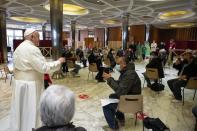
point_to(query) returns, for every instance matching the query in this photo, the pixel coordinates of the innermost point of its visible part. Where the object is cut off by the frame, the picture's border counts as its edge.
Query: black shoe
(101, 80)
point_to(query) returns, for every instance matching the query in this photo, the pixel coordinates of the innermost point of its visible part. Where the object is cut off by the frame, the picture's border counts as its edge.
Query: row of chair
(152, 74)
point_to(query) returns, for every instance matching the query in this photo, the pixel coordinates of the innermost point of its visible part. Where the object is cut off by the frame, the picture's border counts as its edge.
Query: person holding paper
(128, 84)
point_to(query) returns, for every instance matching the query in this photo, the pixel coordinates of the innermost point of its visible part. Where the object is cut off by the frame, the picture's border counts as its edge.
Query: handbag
(155, 124)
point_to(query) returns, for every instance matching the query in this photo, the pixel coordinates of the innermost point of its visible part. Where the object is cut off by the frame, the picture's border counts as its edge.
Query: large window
(13, 34)
(41, 35)
(17, 34)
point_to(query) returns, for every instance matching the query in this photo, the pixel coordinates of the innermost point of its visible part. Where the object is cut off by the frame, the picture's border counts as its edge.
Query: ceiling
(141, 11)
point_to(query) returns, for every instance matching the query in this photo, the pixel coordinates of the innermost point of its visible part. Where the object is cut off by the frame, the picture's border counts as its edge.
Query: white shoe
(176, 101)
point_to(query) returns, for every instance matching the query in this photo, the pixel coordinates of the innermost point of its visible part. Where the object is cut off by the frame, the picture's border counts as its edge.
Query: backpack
(155, 124)
(157, 87)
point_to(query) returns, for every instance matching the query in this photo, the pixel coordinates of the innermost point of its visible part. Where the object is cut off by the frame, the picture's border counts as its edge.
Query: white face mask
(117, 67)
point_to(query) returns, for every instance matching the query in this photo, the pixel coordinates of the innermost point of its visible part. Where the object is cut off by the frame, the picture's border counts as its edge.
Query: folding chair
(191, 84)
(7, 72)
(131, 104)
(92, 68)
(107, 62)
(152, 74)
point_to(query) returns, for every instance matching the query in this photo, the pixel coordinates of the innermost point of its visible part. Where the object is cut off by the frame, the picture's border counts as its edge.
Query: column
(56, 16)
(147, 32)
(125, 22)
(3, 36)
(73, 28)
(106, 37)
(44, 31)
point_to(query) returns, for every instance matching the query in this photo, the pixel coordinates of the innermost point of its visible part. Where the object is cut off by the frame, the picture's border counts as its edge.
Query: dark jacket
(190, 70)
(92, 58)
(156, 63)
(179, 66)
(69, 127)
(128, 83)
(112, 60)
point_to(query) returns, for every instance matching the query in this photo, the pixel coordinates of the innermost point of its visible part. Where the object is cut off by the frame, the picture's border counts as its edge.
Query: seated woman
(57, 107)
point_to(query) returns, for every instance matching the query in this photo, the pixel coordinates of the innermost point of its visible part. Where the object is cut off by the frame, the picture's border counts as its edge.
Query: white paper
(105, 102)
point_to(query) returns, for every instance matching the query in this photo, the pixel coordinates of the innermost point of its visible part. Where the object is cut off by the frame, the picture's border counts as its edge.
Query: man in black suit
(188, 70)
(94, 57)
(155, 62)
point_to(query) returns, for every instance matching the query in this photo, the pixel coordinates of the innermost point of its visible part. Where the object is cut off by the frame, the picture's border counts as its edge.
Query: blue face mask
(117, 67)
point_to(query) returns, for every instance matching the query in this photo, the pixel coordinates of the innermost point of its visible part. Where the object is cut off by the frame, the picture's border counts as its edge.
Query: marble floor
(89, 111)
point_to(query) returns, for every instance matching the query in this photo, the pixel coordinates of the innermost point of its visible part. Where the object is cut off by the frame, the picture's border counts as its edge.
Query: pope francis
(29, 66)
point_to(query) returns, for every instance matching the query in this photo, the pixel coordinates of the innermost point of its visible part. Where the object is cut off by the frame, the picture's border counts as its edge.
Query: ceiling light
(110, 22)
(28, 19)
(172, 15)
(182, 25)
(155, 0)
(69, 9)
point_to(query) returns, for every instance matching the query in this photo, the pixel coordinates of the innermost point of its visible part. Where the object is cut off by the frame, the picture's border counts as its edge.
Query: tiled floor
(89, 111)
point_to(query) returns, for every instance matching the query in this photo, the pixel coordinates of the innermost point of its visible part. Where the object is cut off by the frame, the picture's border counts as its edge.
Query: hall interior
(100, 24)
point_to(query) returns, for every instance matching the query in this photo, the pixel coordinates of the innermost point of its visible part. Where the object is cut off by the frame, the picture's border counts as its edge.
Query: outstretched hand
(61, 59)
(106, 75)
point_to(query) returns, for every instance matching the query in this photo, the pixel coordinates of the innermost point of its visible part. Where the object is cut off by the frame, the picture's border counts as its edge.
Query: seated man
(155, 62)
(57, 107)
(79, 52)
(194, 111)
(188, 70)
(178, 65)
(71, 57)
(128, 84)
(110, 56)
(95, 58)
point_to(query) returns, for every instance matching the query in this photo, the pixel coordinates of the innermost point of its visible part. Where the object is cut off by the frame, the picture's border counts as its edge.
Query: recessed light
(182, 25)
(69, 9)
(110, 21)
(155, 0)
(179, 14)
(28, 19)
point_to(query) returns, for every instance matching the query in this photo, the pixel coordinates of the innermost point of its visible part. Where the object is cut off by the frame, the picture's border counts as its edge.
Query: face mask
(117, 67)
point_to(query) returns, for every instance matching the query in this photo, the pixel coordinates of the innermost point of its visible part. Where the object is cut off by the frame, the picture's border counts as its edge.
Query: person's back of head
(57, 106)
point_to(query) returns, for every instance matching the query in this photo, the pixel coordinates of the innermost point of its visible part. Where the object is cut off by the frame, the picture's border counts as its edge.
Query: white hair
(57, 105)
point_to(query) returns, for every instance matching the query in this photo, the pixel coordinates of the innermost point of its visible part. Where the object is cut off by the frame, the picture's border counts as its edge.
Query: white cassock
(29, 66)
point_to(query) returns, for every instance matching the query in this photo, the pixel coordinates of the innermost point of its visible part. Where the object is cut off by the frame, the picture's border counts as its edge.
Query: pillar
(44, 31)
(56, 17)
(147, 32)
(106, 37)
(3, 36)
(125, 22)
(73, 28)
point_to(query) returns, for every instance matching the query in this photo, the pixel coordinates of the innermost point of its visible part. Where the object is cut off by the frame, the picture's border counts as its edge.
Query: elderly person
(188, 70)
(57, 107)
(29, 68)
(128, 84)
